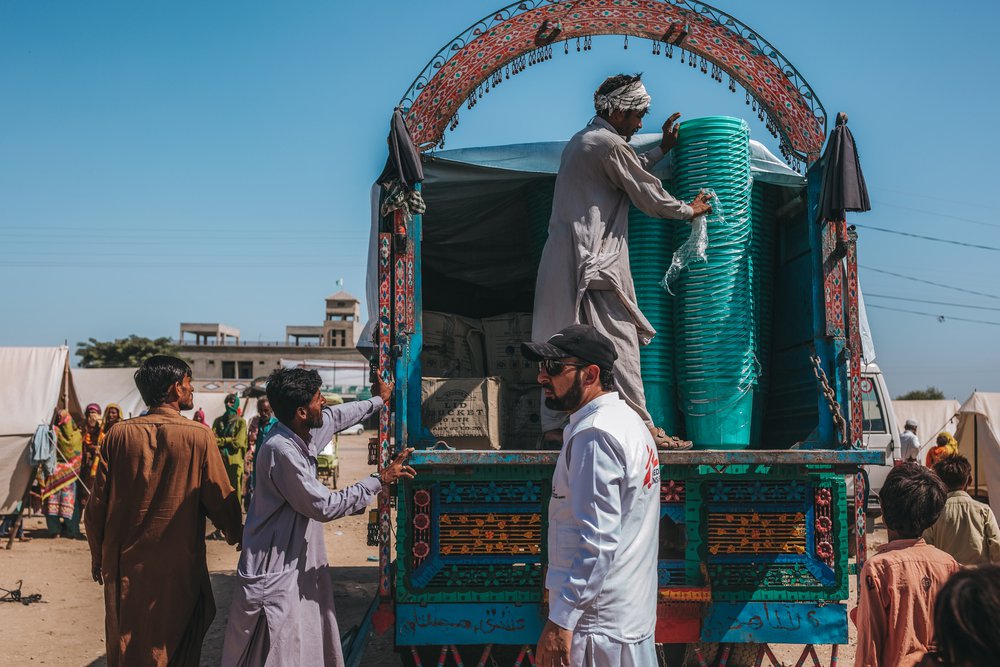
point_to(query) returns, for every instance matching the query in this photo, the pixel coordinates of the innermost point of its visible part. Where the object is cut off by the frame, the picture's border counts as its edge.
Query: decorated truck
(755, 520)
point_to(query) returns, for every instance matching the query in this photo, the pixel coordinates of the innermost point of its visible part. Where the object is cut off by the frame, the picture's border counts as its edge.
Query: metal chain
(831, 397)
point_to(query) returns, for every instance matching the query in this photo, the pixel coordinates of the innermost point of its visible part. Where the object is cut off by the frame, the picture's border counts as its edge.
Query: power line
(928, 282)
(936, 303)
(929, 238)
(938, 215)
(941, 199)
(940, 318)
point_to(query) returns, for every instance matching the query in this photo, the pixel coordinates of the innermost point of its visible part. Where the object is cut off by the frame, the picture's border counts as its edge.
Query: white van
(879, 432)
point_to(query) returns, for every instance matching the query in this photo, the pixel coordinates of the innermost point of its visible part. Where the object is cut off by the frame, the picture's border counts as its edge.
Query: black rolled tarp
(844, 187)
(403, 164)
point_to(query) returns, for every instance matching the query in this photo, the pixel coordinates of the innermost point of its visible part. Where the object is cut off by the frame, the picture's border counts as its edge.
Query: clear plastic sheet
(695, 249)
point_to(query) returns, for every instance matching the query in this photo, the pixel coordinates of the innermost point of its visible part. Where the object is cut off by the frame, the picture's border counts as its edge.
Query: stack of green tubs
(763, 206)
(651, 244)
(714, 314)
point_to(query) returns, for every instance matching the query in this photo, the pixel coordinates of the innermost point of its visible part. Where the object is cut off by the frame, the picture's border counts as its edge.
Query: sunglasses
(553, 367)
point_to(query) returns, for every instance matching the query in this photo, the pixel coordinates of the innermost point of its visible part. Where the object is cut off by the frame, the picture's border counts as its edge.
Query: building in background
(223, 361)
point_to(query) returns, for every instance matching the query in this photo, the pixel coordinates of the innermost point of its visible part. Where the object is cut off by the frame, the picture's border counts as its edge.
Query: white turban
(630, 97)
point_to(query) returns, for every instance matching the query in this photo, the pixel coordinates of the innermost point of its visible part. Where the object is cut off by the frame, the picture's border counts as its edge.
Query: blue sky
(189, 161)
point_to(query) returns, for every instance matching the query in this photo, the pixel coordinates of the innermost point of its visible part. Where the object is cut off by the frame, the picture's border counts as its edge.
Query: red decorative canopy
(524, 33)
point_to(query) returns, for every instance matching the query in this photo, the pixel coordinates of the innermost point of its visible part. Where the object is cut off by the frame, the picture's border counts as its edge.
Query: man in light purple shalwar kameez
(282, 611)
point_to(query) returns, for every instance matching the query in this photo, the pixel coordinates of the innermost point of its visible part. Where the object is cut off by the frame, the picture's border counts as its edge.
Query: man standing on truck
(603, 514)
(584, 274)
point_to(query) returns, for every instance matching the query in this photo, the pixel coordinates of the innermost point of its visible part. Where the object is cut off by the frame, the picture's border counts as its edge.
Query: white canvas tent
(347, 377)
(979, 441)
(117, 385)
(33, 386)
(103, 386)
(932, 418)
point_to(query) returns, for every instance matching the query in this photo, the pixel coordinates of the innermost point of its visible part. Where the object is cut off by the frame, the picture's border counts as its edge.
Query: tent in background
(347, 378)
(979, 441)
(103, 386)
(117, 385)
(35, 384)
(932, 418)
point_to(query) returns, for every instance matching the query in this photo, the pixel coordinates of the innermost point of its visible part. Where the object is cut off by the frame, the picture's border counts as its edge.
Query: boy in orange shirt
(900, 582)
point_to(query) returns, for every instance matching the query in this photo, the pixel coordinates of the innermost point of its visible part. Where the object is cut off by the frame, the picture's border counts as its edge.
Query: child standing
(966, 529)
(900, 582)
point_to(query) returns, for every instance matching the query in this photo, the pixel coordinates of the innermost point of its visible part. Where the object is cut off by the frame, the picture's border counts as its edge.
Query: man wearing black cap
(603, 513)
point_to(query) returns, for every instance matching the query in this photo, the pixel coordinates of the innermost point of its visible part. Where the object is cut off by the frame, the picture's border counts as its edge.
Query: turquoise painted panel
(457, 623)
(775, 622)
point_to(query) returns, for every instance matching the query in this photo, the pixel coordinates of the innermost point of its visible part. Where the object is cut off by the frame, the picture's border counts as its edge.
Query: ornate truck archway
(525, 33)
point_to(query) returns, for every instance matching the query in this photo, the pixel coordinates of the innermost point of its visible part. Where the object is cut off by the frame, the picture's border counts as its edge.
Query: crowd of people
(930, 596)
(61, 489)
(160, 477)
(906, 601)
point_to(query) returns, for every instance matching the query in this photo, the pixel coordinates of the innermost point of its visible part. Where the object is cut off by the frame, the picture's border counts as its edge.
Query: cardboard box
(463, 412)
(453, 346)
(522, 416)
(503, 337)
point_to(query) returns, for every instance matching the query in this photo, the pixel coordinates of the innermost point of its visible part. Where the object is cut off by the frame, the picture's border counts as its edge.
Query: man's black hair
(157, 375)
(965, 617)
(954, 471)
(615, 82)
(291, 388)
(607, 379)
(912, 498)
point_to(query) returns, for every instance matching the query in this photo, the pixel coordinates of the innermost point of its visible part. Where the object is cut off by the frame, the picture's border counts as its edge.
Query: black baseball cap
(578, 340)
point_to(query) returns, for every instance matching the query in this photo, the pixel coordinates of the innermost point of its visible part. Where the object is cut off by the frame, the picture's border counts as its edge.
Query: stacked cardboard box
(479, 392)
(503, 336)
(453, 346)
(465, 413)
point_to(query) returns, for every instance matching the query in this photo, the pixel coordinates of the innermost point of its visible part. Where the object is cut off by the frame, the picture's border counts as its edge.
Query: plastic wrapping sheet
(696, 247)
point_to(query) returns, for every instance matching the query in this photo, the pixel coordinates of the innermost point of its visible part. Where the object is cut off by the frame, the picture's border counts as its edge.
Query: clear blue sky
(210, 161)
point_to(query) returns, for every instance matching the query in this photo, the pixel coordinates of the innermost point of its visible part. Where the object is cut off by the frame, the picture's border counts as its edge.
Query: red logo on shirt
(652, 468)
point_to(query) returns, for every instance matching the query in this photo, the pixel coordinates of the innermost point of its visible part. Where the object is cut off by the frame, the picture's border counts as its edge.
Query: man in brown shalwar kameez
(159, 476)
(584, 275)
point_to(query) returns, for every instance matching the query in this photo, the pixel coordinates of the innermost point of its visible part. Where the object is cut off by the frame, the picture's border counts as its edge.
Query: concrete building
(222, 361)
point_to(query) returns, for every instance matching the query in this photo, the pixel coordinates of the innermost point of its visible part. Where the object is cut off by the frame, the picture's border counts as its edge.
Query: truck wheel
(740, 655)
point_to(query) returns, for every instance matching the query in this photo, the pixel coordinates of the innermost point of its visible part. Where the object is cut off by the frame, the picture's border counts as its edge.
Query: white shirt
(909, 446)
(604, 524)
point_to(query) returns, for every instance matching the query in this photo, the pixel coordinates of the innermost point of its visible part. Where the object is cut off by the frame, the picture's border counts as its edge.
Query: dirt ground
(67, 627)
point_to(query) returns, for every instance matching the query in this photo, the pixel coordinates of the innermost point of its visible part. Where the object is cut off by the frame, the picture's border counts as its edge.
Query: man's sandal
(669, 443)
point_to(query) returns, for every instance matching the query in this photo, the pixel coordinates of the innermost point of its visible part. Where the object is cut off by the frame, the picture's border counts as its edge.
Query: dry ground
(67, 628)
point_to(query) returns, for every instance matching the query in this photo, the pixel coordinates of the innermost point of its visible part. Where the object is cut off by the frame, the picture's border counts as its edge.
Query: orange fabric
(896, 603)
(938, 452)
